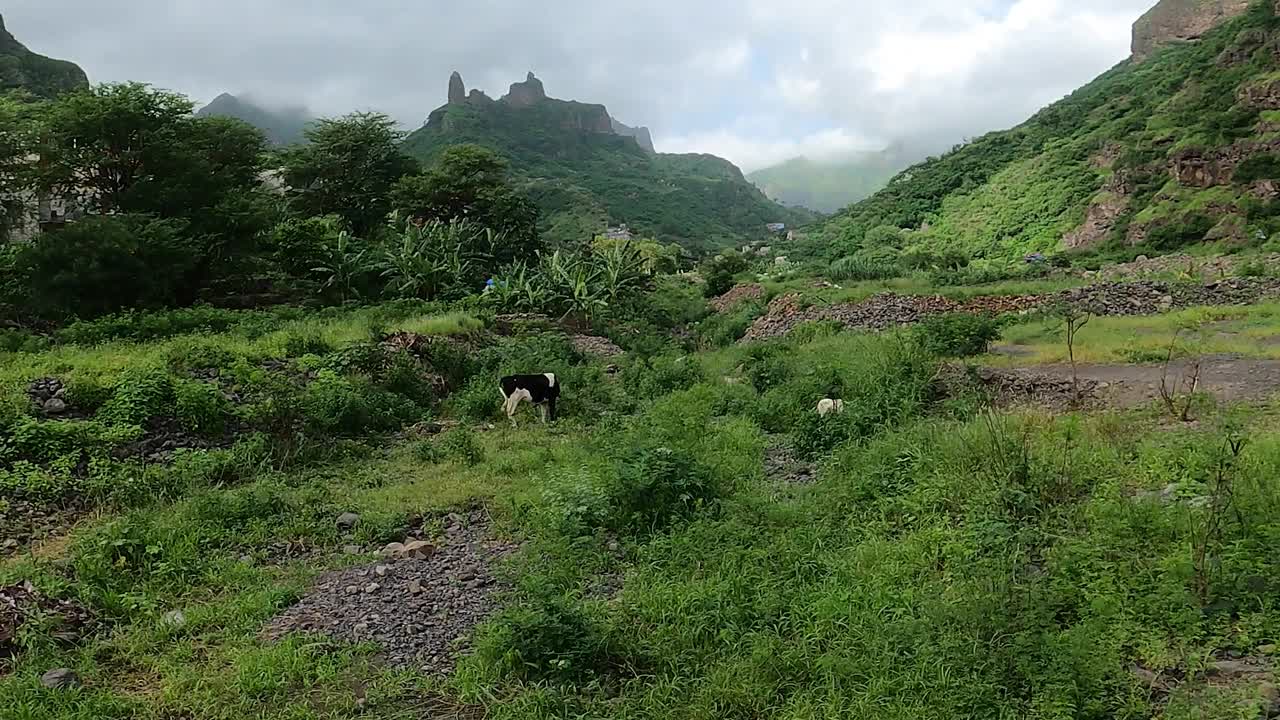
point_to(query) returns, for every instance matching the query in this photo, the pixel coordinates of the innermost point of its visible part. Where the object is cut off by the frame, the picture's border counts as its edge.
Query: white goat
(826, 406)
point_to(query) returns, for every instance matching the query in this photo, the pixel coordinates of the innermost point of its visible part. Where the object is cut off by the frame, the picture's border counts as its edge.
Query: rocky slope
(21, 69)
(586, 170)
(1177, 149)
(282, 126)
(1172, 21)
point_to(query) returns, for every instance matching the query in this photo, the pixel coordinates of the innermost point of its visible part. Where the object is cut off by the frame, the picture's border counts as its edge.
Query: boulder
(347, 521)
(55, 406)
(60, 679)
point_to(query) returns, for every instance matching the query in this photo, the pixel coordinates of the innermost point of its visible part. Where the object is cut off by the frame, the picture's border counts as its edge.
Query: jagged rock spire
(457, 89)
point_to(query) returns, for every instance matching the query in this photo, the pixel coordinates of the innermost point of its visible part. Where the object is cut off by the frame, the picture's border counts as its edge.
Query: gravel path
(420, 611)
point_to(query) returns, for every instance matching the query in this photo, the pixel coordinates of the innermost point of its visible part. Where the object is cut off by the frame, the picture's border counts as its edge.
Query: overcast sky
(756, 81)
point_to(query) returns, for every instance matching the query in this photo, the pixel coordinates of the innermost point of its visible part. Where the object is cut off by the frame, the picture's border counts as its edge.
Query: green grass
(1251, 331)
(948, 562)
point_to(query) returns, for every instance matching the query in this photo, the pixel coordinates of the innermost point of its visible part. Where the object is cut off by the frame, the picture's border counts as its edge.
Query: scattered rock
(55, 406)
(66, 620)
(60, 679)
(417, 623)
(174, 618)
(782, 465)
(890, 310)
(414, 549)
(595, 346)
(352, 550)
(736, 296)
(347, 521)
(382, 570)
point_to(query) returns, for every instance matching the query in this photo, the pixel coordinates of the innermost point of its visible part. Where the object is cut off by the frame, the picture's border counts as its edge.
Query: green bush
(544, 638)
(856, 268)
(461, 444)
(103, 264)
(201, 408)
(957, 334)
(307, 342)
(478, 400)
(140, 396)
(332, 405)
(723, 330)
(658, 486)
(197, 353)
(45, 441)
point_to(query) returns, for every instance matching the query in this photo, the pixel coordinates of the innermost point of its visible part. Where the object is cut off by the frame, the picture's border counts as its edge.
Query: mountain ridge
(584, 175)
(1157, 153)
(284, 126)
(44, 77)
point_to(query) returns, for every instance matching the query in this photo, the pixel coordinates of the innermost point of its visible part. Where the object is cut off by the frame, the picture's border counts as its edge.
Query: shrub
(307, 342)
(197, 353)
(331, 405)
(654, 377)
(723, 330)
(855, 268)
(140, 396)
(478, 401)
(48, 441)
(657, 487)
(102, 264)
(545, 638)
(201, 408)
(88, 393)
(719, 282)
(957, 334)
(462, 445)
(406, 377)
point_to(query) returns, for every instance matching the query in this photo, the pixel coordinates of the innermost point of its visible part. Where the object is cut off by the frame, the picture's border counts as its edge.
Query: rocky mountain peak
(457, 89)
(1173, 21)
(524, 94)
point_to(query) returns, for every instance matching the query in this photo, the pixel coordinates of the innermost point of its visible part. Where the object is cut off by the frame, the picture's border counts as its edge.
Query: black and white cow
(540, 390)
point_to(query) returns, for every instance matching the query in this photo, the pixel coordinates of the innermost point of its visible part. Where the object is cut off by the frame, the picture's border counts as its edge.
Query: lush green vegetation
(583, 179)
(1018, 191)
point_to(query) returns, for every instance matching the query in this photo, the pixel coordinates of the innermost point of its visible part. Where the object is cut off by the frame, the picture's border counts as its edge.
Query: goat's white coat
(827, 406)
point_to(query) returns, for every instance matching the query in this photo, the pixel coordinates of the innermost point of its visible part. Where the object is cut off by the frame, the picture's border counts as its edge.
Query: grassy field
(1250, 331)
(947, 562)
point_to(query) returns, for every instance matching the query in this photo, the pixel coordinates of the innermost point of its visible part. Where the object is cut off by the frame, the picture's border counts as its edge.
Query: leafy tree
(469, 182)
(348, 169)
(130, 149)
(101, 143)
(103, 264)
(17, 140)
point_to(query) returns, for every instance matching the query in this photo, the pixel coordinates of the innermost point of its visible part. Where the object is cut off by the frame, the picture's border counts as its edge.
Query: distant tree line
(173, 210)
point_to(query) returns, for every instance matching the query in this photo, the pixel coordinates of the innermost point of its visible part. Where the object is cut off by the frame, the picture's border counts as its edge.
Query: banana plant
(347, 263)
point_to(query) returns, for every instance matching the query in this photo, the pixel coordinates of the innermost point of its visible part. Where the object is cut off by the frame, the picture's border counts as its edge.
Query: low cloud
(808, 76)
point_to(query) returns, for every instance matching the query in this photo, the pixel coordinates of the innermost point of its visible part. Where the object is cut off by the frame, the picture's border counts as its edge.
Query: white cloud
(753, 153)
(813, 76)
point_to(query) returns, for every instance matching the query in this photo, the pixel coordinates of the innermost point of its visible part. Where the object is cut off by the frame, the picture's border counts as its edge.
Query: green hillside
(583, 176)
(1172, 151)
(829, 186)
(282, 127)
(21, 69)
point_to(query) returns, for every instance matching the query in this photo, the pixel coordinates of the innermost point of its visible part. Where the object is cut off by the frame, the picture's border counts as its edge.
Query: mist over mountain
(282, 125)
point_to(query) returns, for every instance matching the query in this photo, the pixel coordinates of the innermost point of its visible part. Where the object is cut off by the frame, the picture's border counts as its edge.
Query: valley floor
(690, 541)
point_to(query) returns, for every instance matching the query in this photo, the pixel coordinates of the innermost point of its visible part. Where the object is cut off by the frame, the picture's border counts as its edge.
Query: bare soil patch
(420, 611)
(1227, 378)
